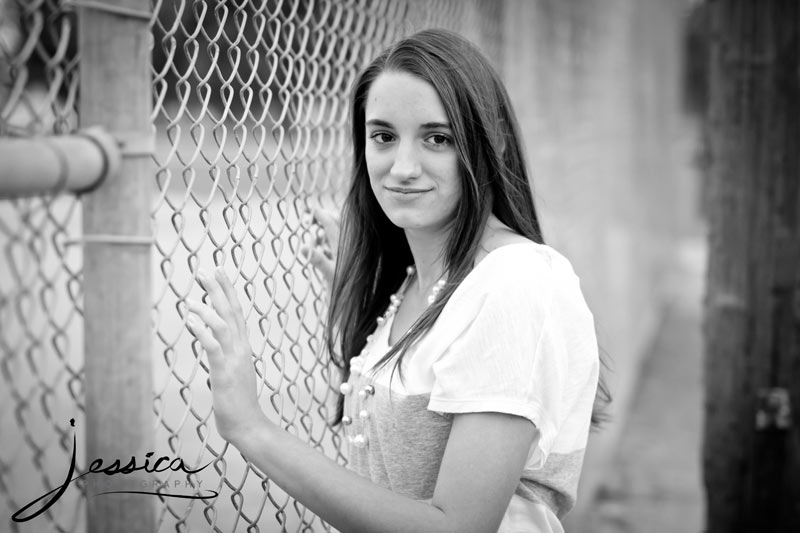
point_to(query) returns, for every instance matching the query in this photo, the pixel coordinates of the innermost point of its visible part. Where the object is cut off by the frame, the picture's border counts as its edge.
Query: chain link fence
(250, 117)
(41, 333)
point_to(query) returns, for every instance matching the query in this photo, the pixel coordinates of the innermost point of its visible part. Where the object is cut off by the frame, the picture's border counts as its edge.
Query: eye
(439, 139)
(381, 137)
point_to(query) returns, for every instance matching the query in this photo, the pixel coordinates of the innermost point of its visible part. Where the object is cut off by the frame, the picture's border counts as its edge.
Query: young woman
(468, 354)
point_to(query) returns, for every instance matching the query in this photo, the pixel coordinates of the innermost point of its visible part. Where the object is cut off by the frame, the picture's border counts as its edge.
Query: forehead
(399, 97)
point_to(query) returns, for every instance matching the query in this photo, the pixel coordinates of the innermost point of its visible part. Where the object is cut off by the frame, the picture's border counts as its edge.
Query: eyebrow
(427, 126)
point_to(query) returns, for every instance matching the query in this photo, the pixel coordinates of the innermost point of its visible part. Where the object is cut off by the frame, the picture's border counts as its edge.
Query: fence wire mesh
(41, 333)
(250, 114)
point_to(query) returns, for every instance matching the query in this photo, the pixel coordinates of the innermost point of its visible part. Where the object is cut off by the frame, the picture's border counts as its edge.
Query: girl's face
(411, 159)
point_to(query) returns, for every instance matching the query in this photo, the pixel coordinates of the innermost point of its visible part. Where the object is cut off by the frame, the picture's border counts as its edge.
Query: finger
(330, 222)
(321, 238)
(209, 319)
(333, 215)
(323, 263)
(233, 299)
(216, 296)
(306, 251)
(204, 335)
(318, 256)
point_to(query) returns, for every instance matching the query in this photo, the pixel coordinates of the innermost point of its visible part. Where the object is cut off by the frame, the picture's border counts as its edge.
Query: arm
(480, 468)
(475, 484)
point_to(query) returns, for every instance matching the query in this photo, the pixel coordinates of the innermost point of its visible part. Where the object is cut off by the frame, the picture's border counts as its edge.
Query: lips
(407, 190)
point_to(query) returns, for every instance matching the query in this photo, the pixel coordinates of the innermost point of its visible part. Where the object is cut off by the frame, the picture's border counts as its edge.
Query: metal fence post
(115, 92)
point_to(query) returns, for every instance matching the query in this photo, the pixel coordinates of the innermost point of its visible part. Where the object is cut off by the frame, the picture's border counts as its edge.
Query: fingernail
(220, 272)
(191, 302)
(203, 275)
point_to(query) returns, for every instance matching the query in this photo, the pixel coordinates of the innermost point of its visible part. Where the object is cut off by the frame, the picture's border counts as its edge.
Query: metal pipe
(76, 163)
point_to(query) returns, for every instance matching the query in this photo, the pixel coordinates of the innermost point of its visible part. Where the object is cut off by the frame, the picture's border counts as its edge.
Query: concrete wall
(596, 90)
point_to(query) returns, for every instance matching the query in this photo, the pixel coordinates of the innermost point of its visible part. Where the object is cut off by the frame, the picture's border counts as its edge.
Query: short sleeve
(528, 348)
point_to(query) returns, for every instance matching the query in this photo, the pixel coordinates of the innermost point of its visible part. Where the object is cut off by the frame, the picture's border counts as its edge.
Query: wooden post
(752, 326)
(116, 93)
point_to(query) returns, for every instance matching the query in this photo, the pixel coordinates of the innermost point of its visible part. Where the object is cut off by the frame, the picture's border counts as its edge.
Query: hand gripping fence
(246, 133)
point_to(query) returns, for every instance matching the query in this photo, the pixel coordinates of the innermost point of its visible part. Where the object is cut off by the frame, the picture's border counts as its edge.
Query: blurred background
(240, 131)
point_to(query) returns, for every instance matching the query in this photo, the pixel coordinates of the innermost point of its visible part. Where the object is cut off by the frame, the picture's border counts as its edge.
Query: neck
(428, 251)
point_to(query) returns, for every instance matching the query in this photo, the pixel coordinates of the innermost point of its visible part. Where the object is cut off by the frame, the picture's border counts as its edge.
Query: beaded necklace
(357, 363)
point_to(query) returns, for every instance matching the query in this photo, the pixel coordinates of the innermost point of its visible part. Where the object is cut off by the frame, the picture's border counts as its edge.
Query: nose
(406, 163)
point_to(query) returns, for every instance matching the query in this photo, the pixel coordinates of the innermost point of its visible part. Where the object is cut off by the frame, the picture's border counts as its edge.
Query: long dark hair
(373, 252)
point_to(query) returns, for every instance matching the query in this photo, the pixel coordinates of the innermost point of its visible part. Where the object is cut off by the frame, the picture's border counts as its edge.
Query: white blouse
(516, 337)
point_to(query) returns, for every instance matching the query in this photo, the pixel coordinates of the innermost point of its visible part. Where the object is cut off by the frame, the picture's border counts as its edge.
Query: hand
(322, 254)
(222, 332)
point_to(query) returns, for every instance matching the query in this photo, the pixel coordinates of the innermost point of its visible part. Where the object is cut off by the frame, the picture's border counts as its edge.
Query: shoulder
(522, 282)
(522, 265)
(507, 259)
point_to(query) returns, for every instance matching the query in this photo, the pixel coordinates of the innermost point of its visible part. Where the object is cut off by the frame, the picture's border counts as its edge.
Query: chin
(415, 224)
(416, 218)
(404, 222)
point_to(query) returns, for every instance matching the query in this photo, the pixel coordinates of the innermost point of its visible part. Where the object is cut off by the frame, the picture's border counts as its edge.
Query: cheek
(453, 198)
(375, 166)
(374, 176)
(455, 188)
(452, 187)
